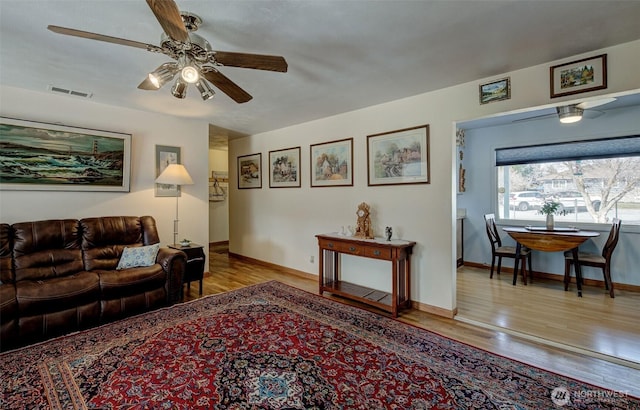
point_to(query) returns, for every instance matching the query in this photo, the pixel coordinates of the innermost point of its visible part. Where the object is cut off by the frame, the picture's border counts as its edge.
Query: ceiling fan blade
(227, 86)
(591, 114)
(537, 117)
(146, 84)
(256, 61)
(100, 37)
(168, 15)
(595, 103)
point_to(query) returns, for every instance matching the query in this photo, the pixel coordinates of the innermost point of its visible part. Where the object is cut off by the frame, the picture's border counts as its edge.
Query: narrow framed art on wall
(41, 156)
(250, 171)
(165, 156)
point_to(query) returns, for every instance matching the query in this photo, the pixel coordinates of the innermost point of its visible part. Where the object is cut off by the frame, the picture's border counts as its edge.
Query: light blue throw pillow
(138, 256)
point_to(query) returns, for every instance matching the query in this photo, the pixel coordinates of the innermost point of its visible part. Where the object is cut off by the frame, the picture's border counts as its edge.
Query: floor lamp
(175, 174)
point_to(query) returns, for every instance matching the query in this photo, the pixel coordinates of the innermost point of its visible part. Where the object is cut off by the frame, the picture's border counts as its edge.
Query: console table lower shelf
(331, 246)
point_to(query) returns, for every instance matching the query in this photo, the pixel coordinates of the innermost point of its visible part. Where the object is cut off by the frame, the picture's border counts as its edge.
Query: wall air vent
(66, 91)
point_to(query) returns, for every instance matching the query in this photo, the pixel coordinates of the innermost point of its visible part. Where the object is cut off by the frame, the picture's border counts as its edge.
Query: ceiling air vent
(75, 93)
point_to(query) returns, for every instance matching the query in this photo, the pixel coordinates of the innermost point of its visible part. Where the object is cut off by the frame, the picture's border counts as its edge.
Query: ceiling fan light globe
(190, 74)
(206, 92)
(163, 74)
(569, 114)
(570, 119)
(179, 89)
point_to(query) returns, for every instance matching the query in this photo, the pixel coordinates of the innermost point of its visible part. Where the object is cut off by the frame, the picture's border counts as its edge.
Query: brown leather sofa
(59, 276)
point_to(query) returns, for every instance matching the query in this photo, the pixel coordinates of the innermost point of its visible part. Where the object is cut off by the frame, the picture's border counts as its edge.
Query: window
(594, 181)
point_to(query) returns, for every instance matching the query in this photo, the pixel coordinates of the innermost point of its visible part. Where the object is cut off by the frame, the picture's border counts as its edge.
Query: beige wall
(278, 225)
(147, 130)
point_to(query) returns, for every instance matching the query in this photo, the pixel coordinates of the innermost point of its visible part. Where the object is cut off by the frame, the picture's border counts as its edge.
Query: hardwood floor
(595, 323)
(616, 329)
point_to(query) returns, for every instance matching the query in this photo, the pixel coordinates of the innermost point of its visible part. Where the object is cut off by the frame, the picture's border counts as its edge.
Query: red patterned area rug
(271, 346)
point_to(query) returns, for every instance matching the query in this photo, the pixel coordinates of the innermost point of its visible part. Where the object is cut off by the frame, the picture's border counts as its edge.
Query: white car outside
(570, 200)
(526, 200)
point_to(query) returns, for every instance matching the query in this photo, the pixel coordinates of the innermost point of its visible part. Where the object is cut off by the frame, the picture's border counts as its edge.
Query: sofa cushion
(118, 283)
(133, 257)
(6, 274)
(57, 294)
(104, 239)
(8, 315)
(46, 249)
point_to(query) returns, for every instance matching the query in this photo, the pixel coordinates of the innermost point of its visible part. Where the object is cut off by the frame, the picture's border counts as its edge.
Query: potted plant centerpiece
(550, 208)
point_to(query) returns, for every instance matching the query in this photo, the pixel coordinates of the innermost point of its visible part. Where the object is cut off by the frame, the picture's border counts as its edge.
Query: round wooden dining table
(559, 239)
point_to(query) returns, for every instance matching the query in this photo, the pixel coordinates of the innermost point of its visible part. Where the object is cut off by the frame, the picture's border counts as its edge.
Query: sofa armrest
(174, 263)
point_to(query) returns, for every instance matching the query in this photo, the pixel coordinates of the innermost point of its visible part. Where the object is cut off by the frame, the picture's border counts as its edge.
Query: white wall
(480, 146)
(147, 130)
(219, 210)
(278, 225)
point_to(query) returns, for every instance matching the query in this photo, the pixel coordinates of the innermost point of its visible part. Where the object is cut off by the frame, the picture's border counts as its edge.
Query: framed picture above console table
(332, 246)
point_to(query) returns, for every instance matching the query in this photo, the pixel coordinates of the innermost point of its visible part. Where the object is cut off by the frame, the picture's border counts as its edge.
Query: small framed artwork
(39, 156)
(284, 168)
(399, 157)
(332, 163)
(165, 156)
(250, 171)
(495, 91)
(588, 74)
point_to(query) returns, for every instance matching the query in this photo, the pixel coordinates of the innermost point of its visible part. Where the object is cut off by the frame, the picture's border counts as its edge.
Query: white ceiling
(342, 55)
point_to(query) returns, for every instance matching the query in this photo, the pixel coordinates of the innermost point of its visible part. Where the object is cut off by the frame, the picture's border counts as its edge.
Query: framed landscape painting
(41, 156)
(399, 157)
(284, 168)
(332, 163)
(588, 74)
(495, 91)
(250, 171)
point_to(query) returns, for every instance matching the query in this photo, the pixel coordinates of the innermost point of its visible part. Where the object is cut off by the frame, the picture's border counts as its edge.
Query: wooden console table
(331, 246)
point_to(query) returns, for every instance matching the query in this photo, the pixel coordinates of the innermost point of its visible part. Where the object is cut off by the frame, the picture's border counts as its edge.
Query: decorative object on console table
(398, 252)
(175, 174)
(388, 231)
(195, 265)
(363, 225)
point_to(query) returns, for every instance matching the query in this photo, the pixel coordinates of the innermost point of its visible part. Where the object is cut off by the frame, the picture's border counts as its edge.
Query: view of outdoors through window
(593, 190)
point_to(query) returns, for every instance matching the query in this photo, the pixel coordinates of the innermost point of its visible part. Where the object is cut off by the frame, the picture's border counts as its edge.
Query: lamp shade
(175, 174)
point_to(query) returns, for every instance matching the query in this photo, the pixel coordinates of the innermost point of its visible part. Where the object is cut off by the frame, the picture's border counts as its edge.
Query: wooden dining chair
(498, 251)
(602, 261)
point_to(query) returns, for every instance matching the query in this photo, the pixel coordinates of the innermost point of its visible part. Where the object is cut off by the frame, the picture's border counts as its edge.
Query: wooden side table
(398, 252)
(195, 265)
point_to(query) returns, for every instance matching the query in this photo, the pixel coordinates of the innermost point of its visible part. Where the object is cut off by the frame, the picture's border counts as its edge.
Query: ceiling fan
(571, 113)
(195, 61)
